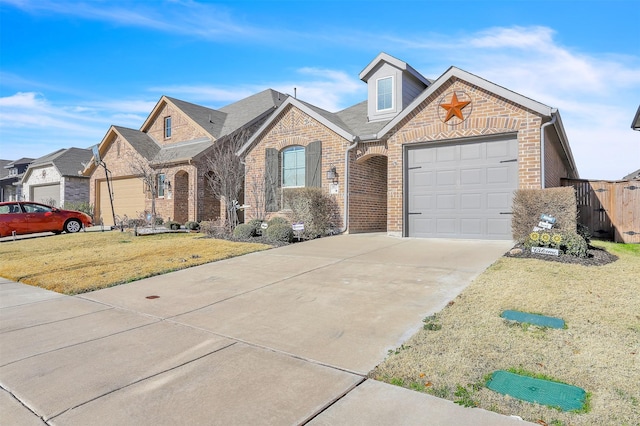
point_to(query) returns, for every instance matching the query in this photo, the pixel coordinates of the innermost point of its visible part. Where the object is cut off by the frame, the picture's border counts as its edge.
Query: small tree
(148, 172)
(226, 177)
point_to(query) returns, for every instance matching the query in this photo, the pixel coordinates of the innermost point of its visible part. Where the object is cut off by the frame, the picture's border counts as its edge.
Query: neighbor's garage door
(48, 194)
(128, 199)
(461, 190)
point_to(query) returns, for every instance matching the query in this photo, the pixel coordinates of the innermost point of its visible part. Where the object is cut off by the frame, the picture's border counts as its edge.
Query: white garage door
(48, 194)
(128, 199)
(461, 190)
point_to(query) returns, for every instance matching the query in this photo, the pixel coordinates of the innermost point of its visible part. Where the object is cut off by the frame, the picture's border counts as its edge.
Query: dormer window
(167, 127)
(384, 90)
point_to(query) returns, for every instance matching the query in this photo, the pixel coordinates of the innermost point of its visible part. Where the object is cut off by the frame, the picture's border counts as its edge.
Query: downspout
(351, 147)
(542, 144)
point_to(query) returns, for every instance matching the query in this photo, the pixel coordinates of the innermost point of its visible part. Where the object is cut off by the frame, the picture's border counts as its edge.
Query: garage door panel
(128, 199)
(471, 226)
(423, 202)
(423, 179)
(446, 178)
(474, 184)
(446, 154)
(471, 201)
(472, 176)
(446, 202)
(445, 226)
(46, 194)
(471, 153)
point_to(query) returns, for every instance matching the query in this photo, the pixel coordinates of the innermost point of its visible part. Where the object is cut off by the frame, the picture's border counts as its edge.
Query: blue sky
(68, 69)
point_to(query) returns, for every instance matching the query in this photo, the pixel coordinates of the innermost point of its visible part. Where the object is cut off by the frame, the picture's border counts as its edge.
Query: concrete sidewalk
(285, 336)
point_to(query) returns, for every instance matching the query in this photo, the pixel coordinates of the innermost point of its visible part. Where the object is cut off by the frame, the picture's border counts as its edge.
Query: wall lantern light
(332, 175)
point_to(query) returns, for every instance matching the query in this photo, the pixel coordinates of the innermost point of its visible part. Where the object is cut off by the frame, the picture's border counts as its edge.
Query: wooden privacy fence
(610, 209)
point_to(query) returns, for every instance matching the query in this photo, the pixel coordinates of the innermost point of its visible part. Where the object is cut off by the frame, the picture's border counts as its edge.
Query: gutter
(542, 144)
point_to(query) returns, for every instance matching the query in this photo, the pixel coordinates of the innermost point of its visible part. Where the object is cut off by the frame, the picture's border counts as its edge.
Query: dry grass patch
(599, 350)
(77, 263)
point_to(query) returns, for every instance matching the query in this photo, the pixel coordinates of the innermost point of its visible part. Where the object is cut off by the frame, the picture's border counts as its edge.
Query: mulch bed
(595, 256)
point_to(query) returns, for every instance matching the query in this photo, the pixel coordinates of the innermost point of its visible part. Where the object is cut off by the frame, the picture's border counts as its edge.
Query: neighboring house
(633, 176)
(418, 158)
(172, 145)
(56, 179)
(11, 179)
(635, 124)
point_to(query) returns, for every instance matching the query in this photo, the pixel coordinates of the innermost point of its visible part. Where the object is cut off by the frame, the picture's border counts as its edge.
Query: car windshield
(36, 208)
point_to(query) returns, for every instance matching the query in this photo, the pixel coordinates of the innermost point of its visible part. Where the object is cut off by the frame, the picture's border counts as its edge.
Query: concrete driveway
(284, 336)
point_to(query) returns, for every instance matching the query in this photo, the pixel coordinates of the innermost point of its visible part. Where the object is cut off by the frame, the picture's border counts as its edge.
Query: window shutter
(313, 160)
(271, 179)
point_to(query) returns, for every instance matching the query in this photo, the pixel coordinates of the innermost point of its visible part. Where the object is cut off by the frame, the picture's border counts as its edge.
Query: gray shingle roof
(356, 118)
(67, 161)
(209, 119)
(249, 109)
(140, 141)
(181, 151)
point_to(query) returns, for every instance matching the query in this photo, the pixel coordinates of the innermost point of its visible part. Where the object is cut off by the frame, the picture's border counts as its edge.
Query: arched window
(293, 167)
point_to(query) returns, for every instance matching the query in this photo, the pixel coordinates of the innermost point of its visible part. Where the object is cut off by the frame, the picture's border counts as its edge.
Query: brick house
(172, 146)
(54, 178)
(418, 158)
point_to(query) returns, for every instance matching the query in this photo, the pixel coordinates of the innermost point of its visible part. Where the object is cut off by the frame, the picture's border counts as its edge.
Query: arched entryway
(211, 209)
(181, 197)
(368, 194)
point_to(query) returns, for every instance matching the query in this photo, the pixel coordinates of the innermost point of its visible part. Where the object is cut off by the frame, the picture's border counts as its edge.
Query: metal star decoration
(454, 108)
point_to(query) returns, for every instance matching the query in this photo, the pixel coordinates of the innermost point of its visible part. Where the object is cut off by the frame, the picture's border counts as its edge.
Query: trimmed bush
(172, 225)
(191, 225)
(529, 204)
(255, 224)
(244, 231)
(312, 207)
(279, 220)
(279, 232)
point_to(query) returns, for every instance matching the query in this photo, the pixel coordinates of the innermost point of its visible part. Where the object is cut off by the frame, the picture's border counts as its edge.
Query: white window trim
(160, 187)
(170, 127)
(393, 90)
(282, 166)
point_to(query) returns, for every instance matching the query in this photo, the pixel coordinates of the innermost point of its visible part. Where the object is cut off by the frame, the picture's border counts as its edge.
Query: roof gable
(330, 120)
(454, 72)
(386, 58)
(68, 162)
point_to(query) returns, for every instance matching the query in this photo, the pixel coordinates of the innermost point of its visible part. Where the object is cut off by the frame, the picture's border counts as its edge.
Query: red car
(26, 217)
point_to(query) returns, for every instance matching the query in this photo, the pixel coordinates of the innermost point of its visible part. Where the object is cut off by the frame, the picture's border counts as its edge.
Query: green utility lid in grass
(545, 392)
(539, 320)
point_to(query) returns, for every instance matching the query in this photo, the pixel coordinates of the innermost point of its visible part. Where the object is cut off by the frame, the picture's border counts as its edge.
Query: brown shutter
(271, 179)
(313, 164)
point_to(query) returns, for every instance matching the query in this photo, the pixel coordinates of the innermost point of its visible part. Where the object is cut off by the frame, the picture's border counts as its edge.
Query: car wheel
(72, 226)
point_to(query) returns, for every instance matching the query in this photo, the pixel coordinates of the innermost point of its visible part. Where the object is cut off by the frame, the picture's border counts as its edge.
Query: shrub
(132, 223)
(279, 220)
(159, 220)
(567, 242)
(256, 224)
(80, 206)
(529, 204)
(191, 225)
(172, 225)
(244, 231)
(279, 232)
(213, 228)
(312, 207)
(574, 245)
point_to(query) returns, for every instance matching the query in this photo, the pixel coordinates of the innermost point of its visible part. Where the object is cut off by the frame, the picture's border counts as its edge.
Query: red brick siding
(368, 195)
(182, 127)
(294, 127)
(490, 115)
